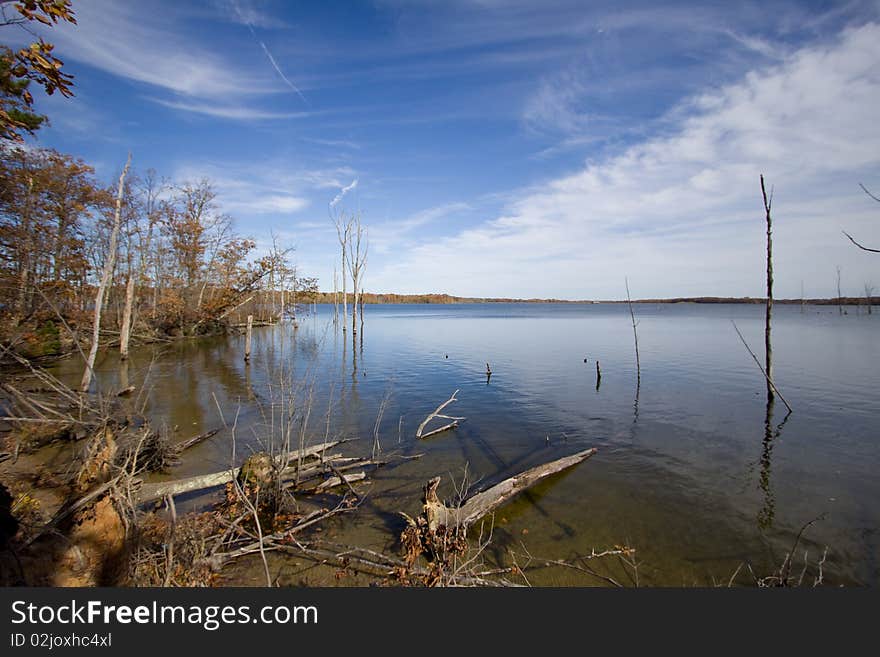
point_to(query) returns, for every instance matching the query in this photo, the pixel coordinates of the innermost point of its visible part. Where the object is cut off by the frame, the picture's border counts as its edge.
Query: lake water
(685, 471)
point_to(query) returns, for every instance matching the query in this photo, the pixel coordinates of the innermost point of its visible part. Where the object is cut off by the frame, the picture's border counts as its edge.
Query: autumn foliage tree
(180, 267)
(47, 200)
(34, 63)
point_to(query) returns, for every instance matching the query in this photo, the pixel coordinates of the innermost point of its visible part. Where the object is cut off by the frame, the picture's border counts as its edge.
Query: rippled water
(685, 473)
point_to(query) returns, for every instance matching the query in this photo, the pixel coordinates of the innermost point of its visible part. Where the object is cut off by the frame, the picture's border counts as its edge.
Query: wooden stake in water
(247, 340)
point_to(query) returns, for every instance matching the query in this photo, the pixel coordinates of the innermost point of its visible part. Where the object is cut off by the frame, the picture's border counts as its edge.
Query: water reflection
(767, 512)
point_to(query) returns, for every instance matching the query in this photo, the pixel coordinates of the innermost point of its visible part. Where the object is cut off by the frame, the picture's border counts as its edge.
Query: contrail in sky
(272, 61)
(345, 190)
(277, 68)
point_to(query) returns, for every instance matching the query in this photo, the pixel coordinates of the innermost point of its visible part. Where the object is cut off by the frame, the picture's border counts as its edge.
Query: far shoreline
(372, 298)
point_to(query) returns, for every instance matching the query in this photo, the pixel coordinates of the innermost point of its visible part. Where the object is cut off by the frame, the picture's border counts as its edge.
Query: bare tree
(869, 296)
(281, 273)
(106, 276)
(357, 262)
(343, 234)
(768, 348)
(132, 229)
(149, 207)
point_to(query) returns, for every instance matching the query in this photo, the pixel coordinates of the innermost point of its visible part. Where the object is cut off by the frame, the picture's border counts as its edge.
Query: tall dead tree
(357, 262)
(132, 273)
(106, 277)
(343, 234)
(768, 348)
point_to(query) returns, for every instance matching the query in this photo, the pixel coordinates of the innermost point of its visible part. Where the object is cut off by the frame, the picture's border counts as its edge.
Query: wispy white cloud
(238, 113)
(277, 204)
(397, 234)
(335, 143)
(245, 12)
(262, 191)
(680, 212)
(148, 47)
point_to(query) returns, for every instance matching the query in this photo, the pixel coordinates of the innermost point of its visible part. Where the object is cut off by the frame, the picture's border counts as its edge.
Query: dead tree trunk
(436, 514)
(768, 348)
(106, 277)
(247, 339)
(357, 260)
(343, 234)
(125, 329)
(335, 298)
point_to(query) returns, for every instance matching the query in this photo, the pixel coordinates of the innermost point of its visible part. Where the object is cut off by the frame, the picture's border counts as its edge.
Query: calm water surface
(686, 471)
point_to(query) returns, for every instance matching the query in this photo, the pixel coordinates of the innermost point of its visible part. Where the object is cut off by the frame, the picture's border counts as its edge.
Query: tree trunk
(768, 348)
(344, 295)
(125, 329)
(335, 298)
(27, 254)
(354, 300)
(109, 265)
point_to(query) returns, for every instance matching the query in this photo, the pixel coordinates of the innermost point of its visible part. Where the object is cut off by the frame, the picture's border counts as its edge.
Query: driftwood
(437, 514)
(195, 440)
(155, 491)
(339, 480)
(436, 414)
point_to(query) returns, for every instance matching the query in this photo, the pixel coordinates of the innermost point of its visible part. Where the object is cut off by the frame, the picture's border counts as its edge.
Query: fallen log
(437, 514)
(155, 491)
(339, 480)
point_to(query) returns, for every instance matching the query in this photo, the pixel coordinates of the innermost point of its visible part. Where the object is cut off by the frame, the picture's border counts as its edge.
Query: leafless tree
(281, 274)
(106, 276)
(358, 246)
(768, 348)
(343, 225)
(869, 296)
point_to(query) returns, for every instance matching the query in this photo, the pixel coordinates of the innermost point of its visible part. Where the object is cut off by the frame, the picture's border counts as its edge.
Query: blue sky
(504, 148)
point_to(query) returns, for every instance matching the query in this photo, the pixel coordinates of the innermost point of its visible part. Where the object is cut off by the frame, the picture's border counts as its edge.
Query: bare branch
(863, 248)
(435, 414)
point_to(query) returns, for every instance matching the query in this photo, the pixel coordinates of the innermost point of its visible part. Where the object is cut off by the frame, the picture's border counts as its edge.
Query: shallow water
(685, 472)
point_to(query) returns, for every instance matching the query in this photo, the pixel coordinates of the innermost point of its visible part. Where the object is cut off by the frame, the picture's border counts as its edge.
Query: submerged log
(437, 514)
(195, 440)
